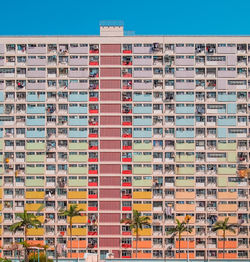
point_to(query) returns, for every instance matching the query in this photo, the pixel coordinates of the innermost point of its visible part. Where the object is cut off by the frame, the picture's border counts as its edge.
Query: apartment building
(159, 124)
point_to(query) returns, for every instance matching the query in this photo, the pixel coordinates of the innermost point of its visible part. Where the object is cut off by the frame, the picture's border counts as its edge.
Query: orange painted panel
(184, 255)
(182, 218)
(35, 242)
(142, 255)
(184, 244)
(185, 195)
(76, 255)
(228, 244)
(228, 255)
(143, 244)
(82, 244)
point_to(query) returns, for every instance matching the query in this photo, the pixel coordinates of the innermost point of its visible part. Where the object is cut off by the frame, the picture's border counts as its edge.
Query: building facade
(112, 123)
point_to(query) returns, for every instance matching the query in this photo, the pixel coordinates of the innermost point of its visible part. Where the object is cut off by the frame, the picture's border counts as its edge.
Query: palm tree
(180, 228)
(27, 221)
(136, 224)
(71, 212)
(224, 226)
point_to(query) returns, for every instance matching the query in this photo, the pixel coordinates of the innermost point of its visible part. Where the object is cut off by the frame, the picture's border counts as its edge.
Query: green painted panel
(142, 146)
(35, 158)
(77, 170)
(1, 170)
(184, 158)
(231, 156)
(226, 171)
(78, 182)
(185, 170)
(78, 158)
(142, 158)
(1, 158)
(184, 146)
(34, 170)
(142, 170)
(78, 146)
(1, 144)
(34, 182)
(184, 182)
(142, 182)
(226, 146)
(222, 181)
(1, 182)
(35, 146)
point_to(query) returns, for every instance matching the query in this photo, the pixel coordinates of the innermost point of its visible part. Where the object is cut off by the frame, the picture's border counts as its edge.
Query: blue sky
(145, 17)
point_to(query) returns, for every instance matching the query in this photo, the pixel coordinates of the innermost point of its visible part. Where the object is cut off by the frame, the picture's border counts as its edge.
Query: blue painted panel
(35, 98)
(78, 110)
(1, 133)
(35, 110)
(142, 122)
(35, 134)
(184, 110)
(1, 96)
(185, 98)
(232, 108)
(142, 110)
(1, 109)
(221, 132)
(78, 122)
(184, 122)
(78, 98)
(226, 122)
(144, 134)
(184, 134)
(35, 122)
(78, 134)
(226, 98)
(142, 98)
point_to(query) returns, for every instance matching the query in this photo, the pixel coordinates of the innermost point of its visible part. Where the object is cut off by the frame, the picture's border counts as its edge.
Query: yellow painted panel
(77, 194)
(77, 231)
(32, 207)
(34, 195)
(35, 232)
(142, 195)
(78, 220)
(81, 206)
(144, 232)
(142, 207)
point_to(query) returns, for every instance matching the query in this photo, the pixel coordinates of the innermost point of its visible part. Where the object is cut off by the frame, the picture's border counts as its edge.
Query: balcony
(78, 146)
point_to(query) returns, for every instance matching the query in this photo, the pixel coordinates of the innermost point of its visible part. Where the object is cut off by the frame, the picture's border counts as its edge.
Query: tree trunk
(137, 239)
(179, 245)
(224, 242)
(70, 224)
(25, 245)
